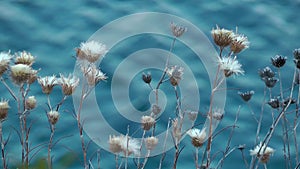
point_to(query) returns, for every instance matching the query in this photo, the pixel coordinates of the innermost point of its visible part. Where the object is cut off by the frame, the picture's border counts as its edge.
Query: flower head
(5, 58)
(230, 66)
(147, 78)
(192, 115)
(147, 122)
(30, 102)
(123, 143)
(222, 37)
(155, 109)
(115, 144)
(198, 136)
(53, 117)
(68, 84)
(274, 103)
(263, 152)
(20, 73)
(239, 43)
(175, 73)
(270, 82)
(151, 142)
(267, 72)
(93, 75)
(278, 61)
(3, 109)
(177, 30)
(24, 58)
(91, 51)
(246, 96)
(47, 83)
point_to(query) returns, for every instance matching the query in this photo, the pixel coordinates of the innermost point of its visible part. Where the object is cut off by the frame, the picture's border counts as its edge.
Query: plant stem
(3, 156)
(50, 147)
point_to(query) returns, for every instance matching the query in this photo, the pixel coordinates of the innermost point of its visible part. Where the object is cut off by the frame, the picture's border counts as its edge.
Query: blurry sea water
(51, 30)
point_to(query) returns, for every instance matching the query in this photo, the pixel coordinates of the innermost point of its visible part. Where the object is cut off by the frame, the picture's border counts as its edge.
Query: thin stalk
(196, 157)
(3, 156)
(146, 159)
(164, 146)
(50, 146)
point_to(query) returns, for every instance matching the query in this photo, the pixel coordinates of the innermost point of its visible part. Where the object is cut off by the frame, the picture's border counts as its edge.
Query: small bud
(241, 147)
(246, 96)
(147, 122)
(53, 117)
(278, 61)
(30, 102)
(3, 109)
(151, 142)
(147, 78)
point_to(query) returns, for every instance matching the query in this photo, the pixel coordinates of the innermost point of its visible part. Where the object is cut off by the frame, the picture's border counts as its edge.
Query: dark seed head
(147, 78)
(274, 103)
(297, 54)
(287, 100)
(246, 96)
(270, 82)
(278, 60)
(266, 73)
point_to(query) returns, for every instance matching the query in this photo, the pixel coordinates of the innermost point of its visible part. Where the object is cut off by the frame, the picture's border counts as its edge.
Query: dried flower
(222, 37)
(239, 43)
(266, 73)
(3, 109)
(5, 58)
(115, 144)
(218, 115)
(91, 51)
(93, 75)
(192, 115)
(287, 100)
(270, 82)
(24, 58)
(147, 77)
(278, 61)
(20, 73)
(230, 66)
(53, 117)
(30, 102)
(263, 152)
(129, 145)
(177, 30)
(68, 84)
(147, 122)
(246, 96)
(198, 136)
(274, 103)
(175, 73)
(155, 109)
(151, 142)
(47, 83)
(297, 54)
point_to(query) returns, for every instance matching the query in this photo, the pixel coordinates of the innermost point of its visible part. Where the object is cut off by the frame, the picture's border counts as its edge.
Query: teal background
(51, 30)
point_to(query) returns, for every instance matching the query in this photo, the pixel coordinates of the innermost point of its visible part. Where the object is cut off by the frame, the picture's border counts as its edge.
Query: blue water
(52, 30)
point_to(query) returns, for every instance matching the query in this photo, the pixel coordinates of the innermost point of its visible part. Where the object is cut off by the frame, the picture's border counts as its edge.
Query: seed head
(91, 51)
(222, 37)
(30, 103)
(239, 43)
(264, 153)
(230, 66)
(147, 122)
(115, 144)
(24, 58)
(266, 73)
(47, 83)
(3, 109)
(177, 30)
(274, 103)
(198, 136)
(155, 109)
(278, 61)
(20, 73)
(68, 84)
(151, 142)
(53, 117)
(192, 115)
(5, 58)
(297, 54)
(175, 73)
(147, 77)
(93, 75)
(246, 96)
(270, 82)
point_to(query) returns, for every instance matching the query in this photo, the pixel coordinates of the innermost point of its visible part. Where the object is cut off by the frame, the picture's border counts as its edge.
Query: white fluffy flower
(93, 75)
(175, 73)
(239, 43)
(68, 84)
(4, 61)
(129, 145)
(91, 51)
(47, 83)
(230, 66)
(263, 154)
(198, 136)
